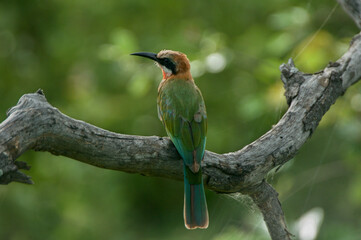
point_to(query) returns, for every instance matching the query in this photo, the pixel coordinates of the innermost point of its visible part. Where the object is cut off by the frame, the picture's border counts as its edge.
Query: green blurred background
(78, 53)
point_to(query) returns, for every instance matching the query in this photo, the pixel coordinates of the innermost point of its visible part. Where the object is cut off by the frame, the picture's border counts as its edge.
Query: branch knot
(292, 78)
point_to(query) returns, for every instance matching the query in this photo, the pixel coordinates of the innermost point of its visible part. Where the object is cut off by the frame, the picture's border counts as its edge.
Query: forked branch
(34, 124)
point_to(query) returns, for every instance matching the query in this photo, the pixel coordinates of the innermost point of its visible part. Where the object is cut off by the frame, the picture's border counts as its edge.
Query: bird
(182, 111)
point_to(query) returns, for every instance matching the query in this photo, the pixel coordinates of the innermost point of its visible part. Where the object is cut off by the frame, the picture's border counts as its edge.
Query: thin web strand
(318, 30)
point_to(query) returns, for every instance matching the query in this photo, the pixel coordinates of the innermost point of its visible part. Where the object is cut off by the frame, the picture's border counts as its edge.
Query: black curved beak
(149, 55)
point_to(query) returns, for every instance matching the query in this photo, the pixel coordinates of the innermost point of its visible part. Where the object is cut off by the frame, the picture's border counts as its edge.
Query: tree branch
(33, 124)
(266, 199)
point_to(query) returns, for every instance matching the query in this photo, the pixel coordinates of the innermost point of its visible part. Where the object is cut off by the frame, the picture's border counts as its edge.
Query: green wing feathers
(182, 110)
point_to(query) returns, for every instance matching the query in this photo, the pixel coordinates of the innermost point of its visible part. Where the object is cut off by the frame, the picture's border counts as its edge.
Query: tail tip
(200, 226)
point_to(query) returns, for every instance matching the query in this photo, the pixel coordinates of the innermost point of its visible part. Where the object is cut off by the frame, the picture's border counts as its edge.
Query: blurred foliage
(78, 53)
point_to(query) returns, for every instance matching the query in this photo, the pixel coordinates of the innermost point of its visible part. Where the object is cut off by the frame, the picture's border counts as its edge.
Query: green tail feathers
(195, 205)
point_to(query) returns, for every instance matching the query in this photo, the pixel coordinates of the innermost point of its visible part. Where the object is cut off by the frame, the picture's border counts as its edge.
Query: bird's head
(172, 63)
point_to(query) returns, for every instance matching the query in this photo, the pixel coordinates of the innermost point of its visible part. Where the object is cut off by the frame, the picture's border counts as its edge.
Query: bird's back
(182, 110)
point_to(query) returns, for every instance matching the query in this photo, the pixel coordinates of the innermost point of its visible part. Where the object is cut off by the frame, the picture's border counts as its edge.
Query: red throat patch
(164, 74)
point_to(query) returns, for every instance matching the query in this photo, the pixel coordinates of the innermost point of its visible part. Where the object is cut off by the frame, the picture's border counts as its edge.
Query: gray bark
(33, 124)
(266, 199)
